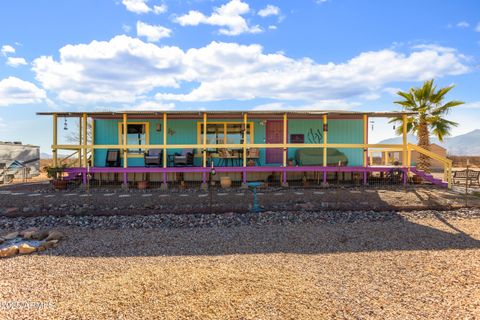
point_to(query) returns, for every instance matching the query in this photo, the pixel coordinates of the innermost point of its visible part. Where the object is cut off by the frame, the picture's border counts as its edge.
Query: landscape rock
(44, 245)
(25, 248)
(55, 235)
(40, 235)
(8, 252)
(10, 236)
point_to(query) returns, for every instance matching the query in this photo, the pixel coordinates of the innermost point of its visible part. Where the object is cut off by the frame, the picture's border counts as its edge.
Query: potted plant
(143, 184)
(290, 162)
(56, 174)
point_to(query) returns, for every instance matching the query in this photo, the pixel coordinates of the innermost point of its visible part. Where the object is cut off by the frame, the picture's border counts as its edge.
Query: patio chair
(153, 157)
(113, 158)
(183, 159)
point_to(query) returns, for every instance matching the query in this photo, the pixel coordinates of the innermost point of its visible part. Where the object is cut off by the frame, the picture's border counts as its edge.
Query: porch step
(428, 177)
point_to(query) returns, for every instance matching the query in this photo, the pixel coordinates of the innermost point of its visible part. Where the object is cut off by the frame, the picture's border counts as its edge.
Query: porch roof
(232, 113)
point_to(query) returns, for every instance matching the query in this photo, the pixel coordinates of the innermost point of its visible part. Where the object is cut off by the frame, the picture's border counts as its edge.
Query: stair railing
(447, 163)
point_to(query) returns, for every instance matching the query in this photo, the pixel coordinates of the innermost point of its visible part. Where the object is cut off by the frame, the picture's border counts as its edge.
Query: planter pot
(59, 184)
(290, 163)
(416, 179)
(225, 182)
(142, 185)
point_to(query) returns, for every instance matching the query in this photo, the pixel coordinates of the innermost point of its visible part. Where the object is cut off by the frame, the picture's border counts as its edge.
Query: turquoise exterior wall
(185, 132)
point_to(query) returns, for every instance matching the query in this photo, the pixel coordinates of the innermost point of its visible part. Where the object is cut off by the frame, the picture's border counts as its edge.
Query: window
(226, 133)
(137, 134)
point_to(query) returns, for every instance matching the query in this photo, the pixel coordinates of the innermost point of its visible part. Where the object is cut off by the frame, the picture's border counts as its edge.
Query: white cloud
(118, 70)
(477, 28)
(154, 105)
(272, 27)
(136, 6)
(333, 104)
(471, 105)
(16, 91)
(126, 28)
(227, 16)
(463, 24)
(232, 71)
(15, 61)
(126, 69)
(269, 10)
(151, 32)
(7, 49)
(160, 9)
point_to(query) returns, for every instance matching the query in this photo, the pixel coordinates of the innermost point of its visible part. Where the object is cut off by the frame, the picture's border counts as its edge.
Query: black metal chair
(153, 157)
(113, 158)
(184, 159)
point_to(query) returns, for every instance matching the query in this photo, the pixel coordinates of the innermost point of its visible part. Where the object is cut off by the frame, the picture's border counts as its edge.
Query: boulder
(55, 235)
(26, 234)
(25, 248)
(10, 236)
(8, 252)
(40, 235)
(44, 245)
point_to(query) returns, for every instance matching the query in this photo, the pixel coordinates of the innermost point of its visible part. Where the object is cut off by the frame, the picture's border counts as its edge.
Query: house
(18, 160)
(169, 146)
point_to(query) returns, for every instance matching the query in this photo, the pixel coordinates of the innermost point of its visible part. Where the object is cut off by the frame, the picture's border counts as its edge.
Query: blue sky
(136, 54)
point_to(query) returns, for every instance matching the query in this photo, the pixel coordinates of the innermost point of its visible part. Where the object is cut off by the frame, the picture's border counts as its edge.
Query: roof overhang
(238, 113)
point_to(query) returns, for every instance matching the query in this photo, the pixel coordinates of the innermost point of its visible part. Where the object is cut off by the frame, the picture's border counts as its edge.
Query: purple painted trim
(428, 177)
(125, 177)
(74, 171)
(365, 181)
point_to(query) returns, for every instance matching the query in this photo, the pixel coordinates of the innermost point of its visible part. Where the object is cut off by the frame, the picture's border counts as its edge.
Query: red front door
(274, 132)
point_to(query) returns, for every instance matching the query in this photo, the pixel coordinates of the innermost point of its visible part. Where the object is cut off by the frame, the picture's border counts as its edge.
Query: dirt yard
(416, 266)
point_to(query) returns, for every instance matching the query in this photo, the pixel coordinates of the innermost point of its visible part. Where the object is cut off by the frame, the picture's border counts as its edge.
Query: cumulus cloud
(15, 61)
(16, 91)
(137, 6)
(160, 9)
(118, 70)
(151, 32)
(126, 69)
(269, 10)
(463, 24)
(228, 17)
(7, 49)
(333, 104)
(255, 74)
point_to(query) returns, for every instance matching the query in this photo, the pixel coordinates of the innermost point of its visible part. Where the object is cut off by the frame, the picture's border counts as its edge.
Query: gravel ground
(39, 199)
(383, 265)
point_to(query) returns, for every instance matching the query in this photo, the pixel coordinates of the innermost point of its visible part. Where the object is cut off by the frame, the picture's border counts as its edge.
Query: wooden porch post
(204, 151)
(54, 146)
(164, 185)
(125, 153)
(85, 140)
(325, 141)
(80, 141)
(245, 123)
(365, 140)
(285, 151)
(164, 140)
(285, 139)
(245, 158)
(404, 141)
(365, 147)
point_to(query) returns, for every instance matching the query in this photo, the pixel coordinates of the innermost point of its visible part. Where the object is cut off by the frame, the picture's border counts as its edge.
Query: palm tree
(431, 109)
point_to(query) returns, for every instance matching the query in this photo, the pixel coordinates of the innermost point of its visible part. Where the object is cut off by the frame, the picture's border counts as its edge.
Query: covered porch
(244, 145)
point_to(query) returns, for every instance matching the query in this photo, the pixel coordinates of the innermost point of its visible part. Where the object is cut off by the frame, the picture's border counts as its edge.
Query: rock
(28, 233)
(8, 252)
(44, 245)
(55, 235)
(25, 248)
(11, 236)
(39, 235)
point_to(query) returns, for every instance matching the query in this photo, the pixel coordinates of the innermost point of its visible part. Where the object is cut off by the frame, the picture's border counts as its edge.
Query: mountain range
(467, 144)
